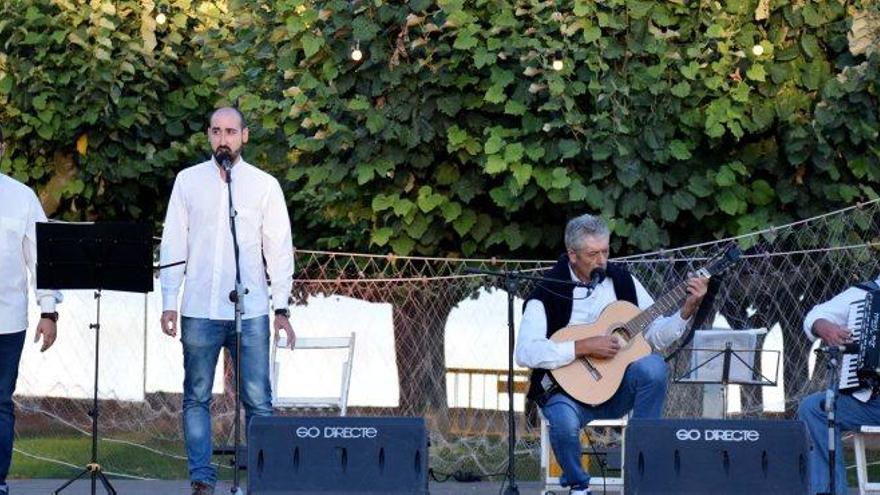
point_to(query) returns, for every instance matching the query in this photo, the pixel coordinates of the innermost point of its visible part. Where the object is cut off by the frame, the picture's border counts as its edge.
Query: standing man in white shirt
(20, 210)
(827, 321)
(197, 231)
(553, 306)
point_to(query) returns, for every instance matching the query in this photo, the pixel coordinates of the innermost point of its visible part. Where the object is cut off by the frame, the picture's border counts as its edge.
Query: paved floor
(127, 487)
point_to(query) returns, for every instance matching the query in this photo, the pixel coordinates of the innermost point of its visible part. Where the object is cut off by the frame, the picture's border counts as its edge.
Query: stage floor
(128, 487)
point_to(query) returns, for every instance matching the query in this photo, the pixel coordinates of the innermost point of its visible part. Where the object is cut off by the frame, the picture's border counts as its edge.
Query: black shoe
(200, 488)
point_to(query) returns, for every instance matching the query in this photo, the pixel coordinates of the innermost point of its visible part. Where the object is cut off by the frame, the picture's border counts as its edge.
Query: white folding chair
(550, 468)
(871, 434)
(337, 402)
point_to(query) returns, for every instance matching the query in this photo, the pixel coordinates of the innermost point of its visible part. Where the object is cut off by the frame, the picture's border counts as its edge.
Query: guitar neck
(665, 305)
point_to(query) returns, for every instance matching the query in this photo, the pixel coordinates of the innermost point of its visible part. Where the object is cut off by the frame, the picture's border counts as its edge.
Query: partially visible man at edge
(20, 210)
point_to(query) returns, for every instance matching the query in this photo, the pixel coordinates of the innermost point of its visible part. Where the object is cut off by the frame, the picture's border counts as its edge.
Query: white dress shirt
(20, 210)
(535, 350)
(197, 231)
(835, 310)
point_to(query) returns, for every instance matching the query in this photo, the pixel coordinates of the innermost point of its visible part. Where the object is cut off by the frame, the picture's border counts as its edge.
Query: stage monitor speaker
(337, 455)
(717, 457)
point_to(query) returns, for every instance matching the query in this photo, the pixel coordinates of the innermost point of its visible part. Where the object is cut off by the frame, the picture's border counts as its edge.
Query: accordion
(862, 370)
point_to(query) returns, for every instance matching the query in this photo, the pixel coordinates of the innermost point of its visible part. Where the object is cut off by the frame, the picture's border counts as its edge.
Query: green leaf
(762, 193)
(756, 73)
(451, 211)
(668, 210)
(679, 150)
(311, 44)
(681, 90)
(383, 201)
(381, 236)
(495, 164)
(522, 173)
(450, 104)
(428, 200)
(513, 107)
(513, 152)
(402, 245)
(495, 94)
(465, 222)
(729, 203)
(494, 144)
(568, 148)
(725, 177)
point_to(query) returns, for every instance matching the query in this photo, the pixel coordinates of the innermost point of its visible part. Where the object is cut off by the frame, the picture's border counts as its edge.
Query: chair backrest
(340, 401)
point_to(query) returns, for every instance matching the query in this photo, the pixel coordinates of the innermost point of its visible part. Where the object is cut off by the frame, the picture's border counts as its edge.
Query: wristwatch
(50, 316)
(283, 312)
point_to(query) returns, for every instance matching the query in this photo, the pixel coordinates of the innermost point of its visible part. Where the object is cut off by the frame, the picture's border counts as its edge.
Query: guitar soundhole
(622, 335)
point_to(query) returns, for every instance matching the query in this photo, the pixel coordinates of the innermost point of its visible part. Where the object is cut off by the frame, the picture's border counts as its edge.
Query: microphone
(597, 276)
(224, 160)
(847, 348)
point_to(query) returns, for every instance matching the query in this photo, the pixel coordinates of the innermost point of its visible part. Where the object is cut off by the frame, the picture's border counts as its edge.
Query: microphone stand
(511, 285)
(831, 365)
(236, 296)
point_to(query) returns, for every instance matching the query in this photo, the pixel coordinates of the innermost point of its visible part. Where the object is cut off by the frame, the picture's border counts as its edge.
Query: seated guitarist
(554, 306)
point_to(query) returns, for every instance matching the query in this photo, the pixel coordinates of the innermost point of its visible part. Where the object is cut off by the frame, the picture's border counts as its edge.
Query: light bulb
(160, 18)
(758, 50)
(558, 64)
(357, 55)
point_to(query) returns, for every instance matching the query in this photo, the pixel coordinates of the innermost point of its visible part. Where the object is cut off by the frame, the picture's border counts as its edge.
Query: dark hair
(234, 109)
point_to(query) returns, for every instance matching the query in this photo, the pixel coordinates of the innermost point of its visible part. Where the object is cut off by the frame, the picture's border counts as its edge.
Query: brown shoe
(201, 488)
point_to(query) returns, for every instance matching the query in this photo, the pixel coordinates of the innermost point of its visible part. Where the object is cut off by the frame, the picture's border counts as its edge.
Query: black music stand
(704, 371)
(110, 255)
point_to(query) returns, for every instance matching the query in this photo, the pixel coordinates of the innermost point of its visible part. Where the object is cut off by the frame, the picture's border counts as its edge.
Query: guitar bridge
(591, 369)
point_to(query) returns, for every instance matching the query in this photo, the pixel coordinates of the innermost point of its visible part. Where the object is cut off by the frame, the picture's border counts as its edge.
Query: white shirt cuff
(47, 304)
(169, 301)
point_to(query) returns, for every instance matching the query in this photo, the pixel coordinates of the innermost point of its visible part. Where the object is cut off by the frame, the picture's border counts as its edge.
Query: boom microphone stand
(511, 284)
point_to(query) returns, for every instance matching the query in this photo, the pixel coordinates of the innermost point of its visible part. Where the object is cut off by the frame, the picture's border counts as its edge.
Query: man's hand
(46, 328)
(831, 333)
(696, 288)
(603, 347)
(169, 323)
(283, 322)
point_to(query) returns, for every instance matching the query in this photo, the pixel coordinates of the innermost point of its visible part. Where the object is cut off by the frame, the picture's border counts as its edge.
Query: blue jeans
(202, 341)
(642, 391)
(11, 346)
(851, 414)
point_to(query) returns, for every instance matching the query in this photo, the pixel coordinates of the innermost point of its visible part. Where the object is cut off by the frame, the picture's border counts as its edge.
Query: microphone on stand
(847, 348)
(224, 159)
(597, 276)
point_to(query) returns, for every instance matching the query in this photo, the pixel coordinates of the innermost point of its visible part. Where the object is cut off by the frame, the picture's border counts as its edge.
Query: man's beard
(223, 150)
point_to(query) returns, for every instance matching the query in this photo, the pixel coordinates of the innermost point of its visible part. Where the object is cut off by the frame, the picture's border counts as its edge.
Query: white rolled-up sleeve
(46, 298)
(533, 348)
(174, 247)
(835, 310)
(278, 246)
(665, 330)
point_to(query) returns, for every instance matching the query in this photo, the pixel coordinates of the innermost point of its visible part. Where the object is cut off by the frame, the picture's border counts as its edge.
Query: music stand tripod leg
(93, 468)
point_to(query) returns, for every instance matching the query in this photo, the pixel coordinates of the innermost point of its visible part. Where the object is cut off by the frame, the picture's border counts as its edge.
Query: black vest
(557, 301)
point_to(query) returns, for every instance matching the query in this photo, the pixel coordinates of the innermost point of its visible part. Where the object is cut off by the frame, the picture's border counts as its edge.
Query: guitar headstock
(721, 262)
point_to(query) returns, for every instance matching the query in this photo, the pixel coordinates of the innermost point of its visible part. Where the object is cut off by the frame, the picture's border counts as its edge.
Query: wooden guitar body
(592, 380)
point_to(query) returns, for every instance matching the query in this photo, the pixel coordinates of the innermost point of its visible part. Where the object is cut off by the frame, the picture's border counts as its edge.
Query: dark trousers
(11, 346)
